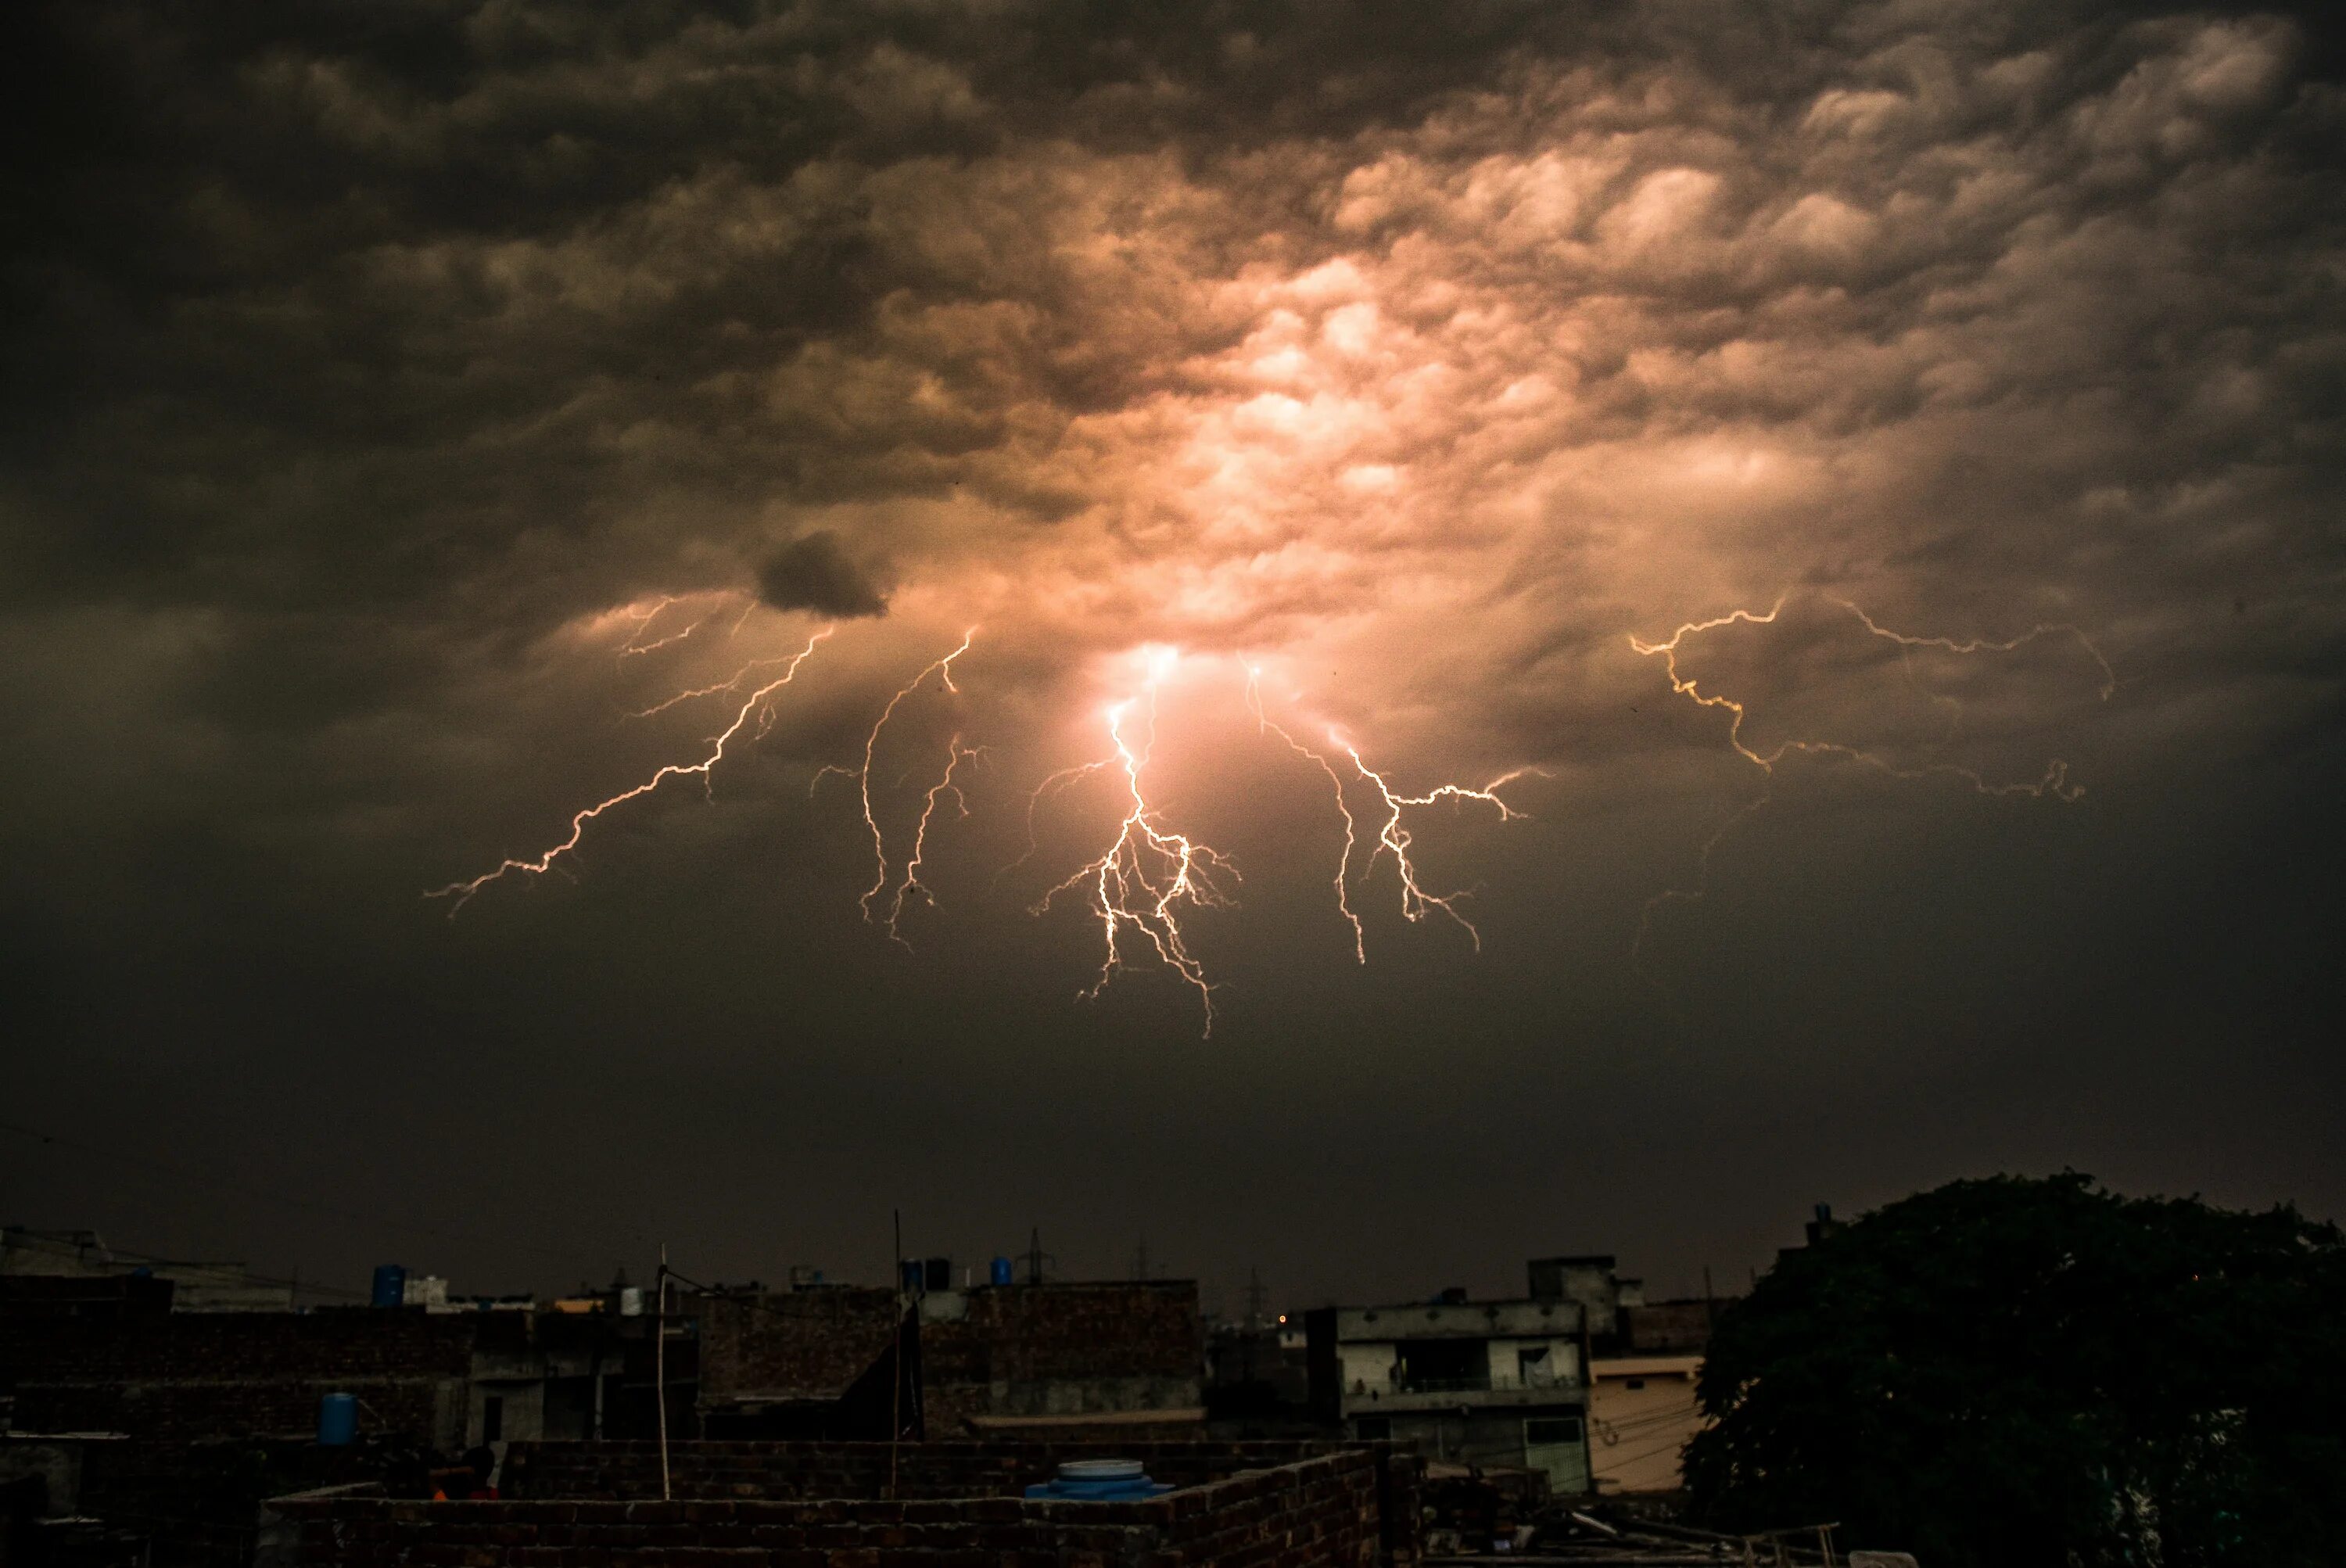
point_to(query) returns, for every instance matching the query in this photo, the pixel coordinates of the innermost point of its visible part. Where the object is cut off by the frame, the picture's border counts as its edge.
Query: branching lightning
(636, 644)
(1145, 876)
(462, 892)
(1343, 810)
(1393, 837)
(955, 755)
(1142, 886)
(943, 669)
(2054, 782)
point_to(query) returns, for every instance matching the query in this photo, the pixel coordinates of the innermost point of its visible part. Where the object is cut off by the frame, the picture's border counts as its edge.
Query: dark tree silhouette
(2010, 1373)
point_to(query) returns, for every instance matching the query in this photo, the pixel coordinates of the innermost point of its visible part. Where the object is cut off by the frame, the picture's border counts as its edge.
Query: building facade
(1642, 1413)
(1490, 1383)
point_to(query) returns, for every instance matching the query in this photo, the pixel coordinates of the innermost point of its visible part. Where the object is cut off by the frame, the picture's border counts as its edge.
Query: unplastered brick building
(874, 1505)
(1023, 1359)
(191, 1377)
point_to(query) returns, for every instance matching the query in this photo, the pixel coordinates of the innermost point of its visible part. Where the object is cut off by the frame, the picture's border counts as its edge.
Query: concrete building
(199, 1286)
(1477, 1382)
(1642, 1415)
(1643, 1358)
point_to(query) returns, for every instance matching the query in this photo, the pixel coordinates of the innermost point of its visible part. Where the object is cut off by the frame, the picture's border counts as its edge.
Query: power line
(329, 1211)
(39, 1241)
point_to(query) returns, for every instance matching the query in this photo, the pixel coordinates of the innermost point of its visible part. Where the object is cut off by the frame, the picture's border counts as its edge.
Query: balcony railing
(1495, 1382)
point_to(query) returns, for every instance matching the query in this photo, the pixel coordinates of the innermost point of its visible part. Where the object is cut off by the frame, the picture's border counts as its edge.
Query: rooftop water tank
(338, 1420)
(1001, 1275)
(1098, 1481)
(390, 1285)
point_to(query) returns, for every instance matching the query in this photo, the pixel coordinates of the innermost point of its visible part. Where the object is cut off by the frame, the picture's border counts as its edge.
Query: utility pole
(896, 1359)
(1035, 1256)
(1253, 1328)
(660, 1368)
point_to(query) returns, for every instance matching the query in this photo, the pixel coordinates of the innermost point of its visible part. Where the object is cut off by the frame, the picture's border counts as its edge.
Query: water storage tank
(1001, 1275)
(390, 1285)
(338, 1420)
(1098, 1481)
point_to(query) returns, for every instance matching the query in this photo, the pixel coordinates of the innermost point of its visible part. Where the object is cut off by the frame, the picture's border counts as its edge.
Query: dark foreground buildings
(954, 1504)
(177, 1417)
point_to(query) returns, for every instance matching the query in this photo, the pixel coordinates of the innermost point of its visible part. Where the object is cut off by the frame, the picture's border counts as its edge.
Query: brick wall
(795, 1345)
(1333, 1510)
(1010, 1350)
(626, 1471)
(188, 1377)
(1668, 1325)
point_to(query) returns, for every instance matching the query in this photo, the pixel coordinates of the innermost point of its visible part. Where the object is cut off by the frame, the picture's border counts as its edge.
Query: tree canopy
(2015, 1372)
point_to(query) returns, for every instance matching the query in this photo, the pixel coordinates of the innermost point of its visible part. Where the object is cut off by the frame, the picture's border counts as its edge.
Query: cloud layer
(405, 397)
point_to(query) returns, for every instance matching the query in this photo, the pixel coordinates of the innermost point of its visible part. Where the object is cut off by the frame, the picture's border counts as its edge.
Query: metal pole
(896, 1356)
(659, 1369)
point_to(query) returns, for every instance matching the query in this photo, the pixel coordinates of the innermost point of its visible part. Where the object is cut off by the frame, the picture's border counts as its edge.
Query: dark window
(1541, 1431)
(493, 1418)
(1632, 1382)
(1439, 1365)
(1370, 1428)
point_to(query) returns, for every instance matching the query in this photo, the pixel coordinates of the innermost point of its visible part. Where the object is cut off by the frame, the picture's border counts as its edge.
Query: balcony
(1371, 1396)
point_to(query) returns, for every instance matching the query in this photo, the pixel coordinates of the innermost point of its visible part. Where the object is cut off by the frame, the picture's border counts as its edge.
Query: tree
(2016, 1372)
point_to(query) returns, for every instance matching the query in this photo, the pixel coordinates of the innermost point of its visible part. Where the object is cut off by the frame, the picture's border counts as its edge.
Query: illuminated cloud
(375, 374)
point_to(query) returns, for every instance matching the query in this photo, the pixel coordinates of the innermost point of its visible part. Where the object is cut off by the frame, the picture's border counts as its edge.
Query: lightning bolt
(1393, 837)
(462, 892)
(955, 755)
(1343, 810)
(2054, 782)
(634, 644)
(1149, 871)
(732, 683)
(943, 669)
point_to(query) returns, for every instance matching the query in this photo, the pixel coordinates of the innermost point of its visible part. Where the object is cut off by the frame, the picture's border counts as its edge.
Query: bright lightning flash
(2054, 782)
(757, 702)
(1148, 872)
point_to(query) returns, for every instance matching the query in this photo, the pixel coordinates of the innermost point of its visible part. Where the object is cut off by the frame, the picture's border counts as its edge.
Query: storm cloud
(407, 404)
(814, 574)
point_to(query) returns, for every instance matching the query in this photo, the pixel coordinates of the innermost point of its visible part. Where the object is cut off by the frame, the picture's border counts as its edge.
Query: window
(1442, 1365)
(1532, 1369)
(1632, 1382)
(493, 1418)
(1540, 1431)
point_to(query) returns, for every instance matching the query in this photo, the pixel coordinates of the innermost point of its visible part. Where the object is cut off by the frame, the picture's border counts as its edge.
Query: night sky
(401, 400)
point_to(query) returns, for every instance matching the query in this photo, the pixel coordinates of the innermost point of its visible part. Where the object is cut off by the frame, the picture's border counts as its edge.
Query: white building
(1475, 1382)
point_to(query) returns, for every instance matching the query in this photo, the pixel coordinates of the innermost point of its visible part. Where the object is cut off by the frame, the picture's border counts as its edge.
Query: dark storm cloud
(814, 574)
(399, 397)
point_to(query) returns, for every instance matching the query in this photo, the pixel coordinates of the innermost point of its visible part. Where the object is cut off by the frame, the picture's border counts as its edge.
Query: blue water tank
(1098, 1481)
(390, 1285)
(912, 1274)
(338, 1420)
(1001, 1275)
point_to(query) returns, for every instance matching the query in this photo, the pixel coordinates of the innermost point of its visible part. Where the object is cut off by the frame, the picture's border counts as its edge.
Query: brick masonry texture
(191, 1375)
(1015, 1350)
(1261, 1505)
